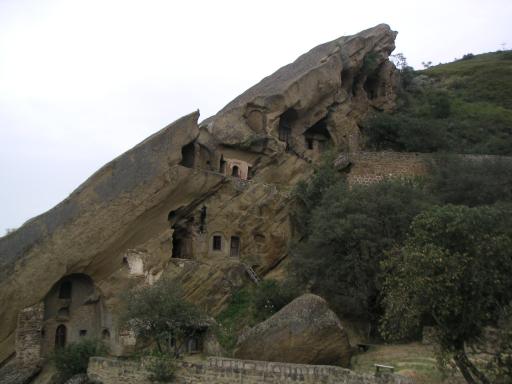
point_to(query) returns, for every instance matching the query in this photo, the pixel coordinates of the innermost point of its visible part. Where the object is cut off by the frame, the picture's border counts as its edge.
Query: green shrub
(471, 181)
(161, 367)
(74, 357)
(160, 314)
(349, 232)
(270, 296)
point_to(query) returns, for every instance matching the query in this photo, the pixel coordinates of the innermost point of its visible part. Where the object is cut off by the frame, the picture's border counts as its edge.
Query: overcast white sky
(82, 81)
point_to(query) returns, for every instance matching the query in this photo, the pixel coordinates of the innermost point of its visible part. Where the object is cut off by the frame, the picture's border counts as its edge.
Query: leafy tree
(74, 357)
(308, 194)
(471, 181)
(454, 272)
(160, 314)
(348, 233)
(270, 296)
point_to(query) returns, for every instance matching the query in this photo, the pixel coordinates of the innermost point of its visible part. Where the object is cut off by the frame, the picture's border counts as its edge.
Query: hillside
(461, 107)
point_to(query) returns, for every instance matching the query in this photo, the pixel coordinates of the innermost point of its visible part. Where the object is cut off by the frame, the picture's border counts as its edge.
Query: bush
(161, 367)
(349, 232)
(468, 56)
(74, 357)
(160, 314)
(471, 181)
(270, 296)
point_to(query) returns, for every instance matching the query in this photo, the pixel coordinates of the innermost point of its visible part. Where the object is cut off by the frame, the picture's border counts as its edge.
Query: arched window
(105, 334)
(217, 243)
(60, 336)
(235, 171)
(65, 290)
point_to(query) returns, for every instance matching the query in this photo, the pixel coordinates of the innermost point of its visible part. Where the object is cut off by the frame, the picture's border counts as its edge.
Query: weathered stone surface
(232, 371)
(12, 373)
(118, 227)
(305, 331)
(339, 80)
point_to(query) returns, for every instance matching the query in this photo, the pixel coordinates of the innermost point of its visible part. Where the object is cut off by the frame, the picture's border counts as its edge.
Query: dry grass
(413, 360)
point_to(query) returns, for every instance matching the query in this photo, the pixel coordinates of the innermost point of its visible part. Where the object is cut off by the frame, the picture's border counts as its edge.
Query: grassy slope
(412, 360)
(480, 90)
(475, 97)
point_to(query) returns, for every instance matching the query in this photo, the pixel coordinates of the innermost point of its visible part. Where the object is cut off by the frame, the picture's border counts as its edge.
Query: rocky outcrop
(168, 197)
(305, 331)
(336, 82)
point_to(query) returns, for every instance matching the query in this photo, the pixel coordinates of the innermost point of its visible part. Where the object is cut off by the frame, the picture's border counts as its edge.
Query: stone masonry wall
(370, 167)
(218, 370)
(28, 335)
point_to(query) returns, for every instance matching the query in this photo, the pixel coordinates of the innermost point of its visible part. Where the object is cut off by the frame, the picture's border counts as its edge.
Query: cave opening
(317, 136)
(371, 86)
(286, 122)
(188, 155)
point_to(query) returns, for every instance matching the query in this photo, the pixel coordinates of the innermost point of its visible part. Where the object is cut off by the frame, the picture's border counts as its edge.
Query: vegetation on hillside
(453, 272)
(251, 305)
(446, 237)
(460, 107)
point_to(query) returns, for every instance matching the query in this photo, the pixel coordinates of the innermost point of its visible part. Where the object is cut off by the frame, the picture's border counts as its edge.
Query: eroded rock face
(305, 331)
(173, 195)
(334, 84)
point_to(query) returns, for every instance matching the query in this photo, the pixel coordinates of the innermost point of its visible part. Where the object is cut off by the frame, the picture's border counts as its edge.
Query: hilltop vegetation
(460, 107)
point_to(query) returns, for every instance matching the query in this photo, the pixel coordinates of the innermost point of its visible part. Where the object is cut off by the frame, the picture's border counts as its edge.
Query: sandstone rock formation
(305, 331)
(202, 203)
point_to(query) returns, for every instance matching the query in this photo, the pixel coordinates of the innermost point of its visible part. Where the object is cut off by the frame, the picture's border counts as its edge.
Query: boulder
(305, 331)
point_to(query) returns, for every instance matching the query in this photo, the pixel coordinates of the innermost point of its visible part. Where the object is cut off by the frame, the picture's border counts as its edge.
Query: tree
(270, 296)
(453, 272)
(160, 314)
(348, 232)
(471, 181)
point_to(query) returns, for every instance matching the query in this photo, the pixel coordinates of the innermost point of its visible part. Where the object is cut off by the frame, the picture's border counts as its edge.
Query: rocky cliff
(203, 203)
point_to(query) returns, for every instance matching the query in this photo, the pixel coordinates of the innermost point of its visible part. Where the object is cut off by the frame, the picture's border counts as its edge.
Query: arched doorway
(235, 171)
(60, 336)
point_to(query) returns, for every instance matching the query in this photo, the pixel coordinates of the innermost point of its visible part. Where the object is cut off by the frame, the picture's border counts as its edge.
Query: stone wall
(218, 370)
(28, 335)
(370, 167)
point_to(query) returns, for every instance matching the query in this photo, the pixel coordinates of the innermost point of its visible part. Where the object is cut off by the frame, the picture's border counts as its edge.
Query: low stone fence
(370, 167)
(218, 370)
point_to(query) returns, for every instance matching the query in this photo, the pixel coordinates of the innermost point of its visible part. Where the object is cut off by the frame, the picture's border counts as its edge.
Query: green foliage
(160, 314)
(453, 271)
(500, 367)
(370, 63)
(308, 194)
(74, 357)
(348, 233)
(471, 181)
(460, 107)
(249, 306)
(270, 296)
(161, 367)
(233, 318)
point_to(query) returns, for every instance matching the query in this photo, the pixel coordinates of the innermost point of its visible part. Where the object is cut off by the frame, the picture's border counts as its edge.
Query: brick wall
(218, 370)
(28, 335)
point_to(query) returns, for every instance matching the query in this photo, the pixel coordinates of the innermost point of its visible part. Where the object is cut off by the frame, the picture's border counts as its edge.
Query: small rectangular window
(83, 332)
(217, 243)
(309, 143)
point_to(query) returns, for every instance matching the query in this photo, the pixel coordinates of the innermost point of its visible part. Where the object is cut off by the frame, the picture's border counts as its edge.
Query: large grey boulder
(305, 331)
